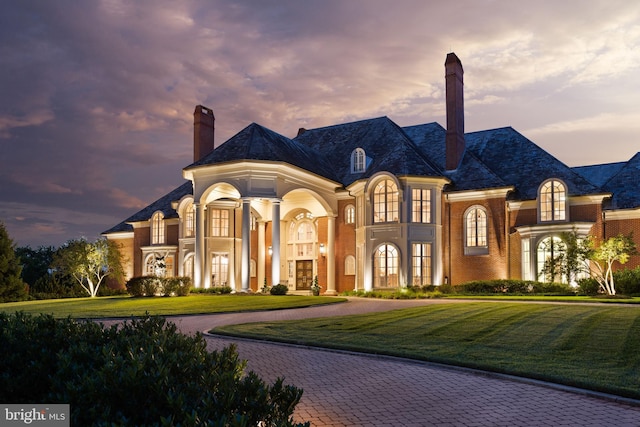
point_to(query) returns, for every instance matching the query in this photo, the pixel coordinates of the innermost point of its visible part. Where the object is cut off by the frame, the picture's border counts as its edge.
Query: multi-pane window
(358, 160)
(549, 259)
(219, 222)
(476, 227)
(350, 214)
(421, 205)
(421, 264)
(157, 229)
(385, 201)
(219, 269)
(350, 265)
(385, 267)
(553, 199)
(189, 221)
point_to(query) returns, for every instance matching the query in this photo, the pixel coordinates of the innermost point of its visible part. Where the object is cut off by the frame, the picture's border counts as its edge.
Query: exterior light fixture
(270, 250)
(323, 249)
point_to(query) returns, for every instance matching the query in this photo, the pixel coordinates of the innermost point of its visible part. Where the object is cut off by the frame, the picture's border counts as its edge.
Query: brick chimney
(455, 111)
(203, 130)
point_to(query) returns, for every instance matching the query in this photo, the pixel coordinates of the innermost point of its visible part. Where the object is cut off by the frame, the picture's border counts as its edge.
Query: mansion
(372, 205)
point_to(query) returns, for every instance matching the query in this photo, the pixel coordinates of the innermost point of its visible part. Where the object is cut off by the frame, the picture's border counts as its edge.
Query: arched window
(550, 250)
(157, 229)
(349, 265)
(358, 161)
(189, 221)
(553, 201)
(350, 214)
(475, 230)
(385, 266)
(385, 201)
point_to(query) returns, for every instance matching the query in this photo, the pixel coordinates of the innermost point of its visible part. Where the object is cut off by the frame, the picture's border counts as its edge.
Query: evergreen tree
(11, 285)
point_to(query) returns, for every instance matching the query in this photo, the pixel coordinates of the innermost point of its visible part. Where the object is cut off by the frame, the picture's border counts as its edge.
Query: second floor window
(189, 221)
(421, 205)
(219, 222)
(157, 229)
(350, 214)
(385, 201)
(553, 201)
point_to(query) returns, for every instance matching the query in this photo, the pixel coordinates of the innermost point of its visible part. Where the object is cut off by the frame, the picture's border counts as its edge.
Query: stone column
(246, 246)
(261, 254)
(331, 256)
(275, 242)
(198, 262)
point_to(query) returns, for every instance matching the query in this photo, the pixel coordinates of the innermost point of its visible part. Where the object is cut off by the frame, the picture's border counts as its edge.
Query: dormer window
(553, 201)
(358, 161)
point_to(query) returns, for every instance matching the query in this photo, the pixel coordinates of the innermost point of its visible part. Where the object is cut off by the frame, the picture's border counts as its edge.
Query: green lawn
(593, 347)
(125, 306)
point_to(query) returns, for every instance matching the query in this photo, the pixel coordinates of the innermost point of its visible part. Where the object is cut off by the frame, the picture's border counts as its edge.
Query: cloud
(102, 93)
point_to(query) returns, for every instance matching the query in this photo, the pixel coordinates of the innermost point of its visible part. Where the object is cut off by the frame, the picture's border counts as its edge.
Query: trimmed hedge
(279, 290)
(513, 287)
(141, 372)
(154, 285)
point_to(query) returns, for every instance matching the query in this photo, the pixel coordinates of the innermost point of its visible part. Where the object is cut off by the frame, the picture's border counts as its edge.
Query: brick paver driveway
(348, 389)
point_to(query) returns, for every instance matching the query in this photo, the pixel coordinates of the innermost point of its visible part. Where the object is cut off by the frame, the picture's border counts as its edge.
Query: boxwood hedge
(141, 372)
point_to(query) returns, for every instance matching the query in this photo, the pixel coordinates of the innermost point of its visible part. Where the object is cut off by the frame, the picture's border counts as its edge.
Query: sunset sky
(97, 97)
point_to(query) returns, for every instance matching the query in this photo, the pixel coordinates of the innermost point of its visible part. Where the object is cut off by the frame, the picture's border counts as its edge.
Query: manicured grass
(593, 347)
(125, 306)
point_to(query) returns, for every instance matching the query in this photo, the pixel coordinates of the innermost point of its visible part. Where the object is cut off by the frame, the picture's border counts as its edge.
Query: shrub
(512, 287)
(588, 286)
(141, 372)
(179, 286)
(216, 290)
(627, 281)
(279, 289)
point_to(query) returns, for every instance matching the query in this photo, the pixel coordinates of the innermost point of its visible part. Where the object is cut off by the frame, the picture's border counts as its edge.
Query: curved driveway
(350, 389)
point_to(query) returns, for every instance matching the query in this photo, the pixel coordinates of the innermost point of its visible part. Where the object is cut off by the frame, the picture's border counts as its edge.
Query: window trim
(158, 233)
(358, 160)
(562, 210)
(389, 198)
(476, 249)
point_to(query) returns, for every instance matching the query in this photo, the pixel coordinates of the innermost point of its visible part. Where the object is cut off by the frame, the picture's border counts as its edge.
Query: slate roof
(256, 142)
(519, 162)
(163, 205)
(496, 158)
(599, 174)
(386, 145)
(625, 185)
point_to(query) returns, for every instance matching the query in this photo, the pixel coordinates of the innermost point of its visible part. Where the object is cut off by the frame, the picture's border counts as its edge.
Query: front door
(304, 274)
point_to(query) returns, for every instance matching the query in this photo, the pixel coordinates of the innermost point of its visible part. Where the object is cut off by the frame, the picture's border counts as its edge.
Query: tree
(89, 263)
(572, 258)
(618, 248)
(35, 263)
(12, 287)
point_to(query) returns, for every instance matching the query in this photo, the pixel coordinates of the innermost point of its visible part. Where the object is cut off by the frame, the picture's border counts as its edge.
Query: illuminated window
(385, 201)
(189, 221)
(358, 161)
(475, 229)
(385, 267)
(421, 264)
(219, 269)
(421, 205)
(254, 222)
(350, 265)
(550, 251)
(219, 222)
(157, 229)
(350, 214)
(553, 201)
(187, 266)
